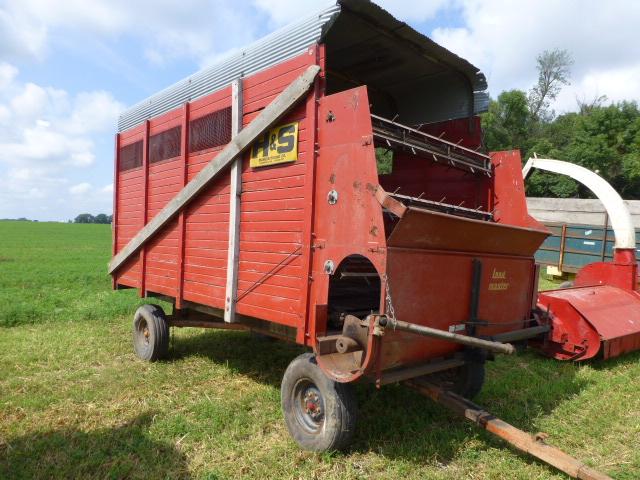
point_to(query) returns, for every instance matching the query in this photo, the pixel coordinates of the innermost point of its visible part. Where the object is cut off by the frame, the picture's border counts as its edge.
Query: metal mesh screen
(210, 131)
(131, 156)
(165, 145)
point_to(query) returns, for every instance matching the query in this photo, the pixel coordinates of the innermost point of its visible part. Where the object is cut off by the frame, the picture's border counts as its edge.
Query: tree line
(88, 218)
(602, 137)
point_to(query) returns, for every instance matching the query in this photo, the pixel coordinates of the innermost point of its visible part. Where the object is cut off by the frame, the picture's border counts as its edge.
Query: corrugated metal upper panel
(293, 40)
(274, 48)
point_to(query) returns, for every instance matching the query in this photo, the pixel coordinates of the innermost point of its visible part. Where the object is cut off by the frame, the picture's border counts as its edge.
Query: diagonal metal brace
(271, 114)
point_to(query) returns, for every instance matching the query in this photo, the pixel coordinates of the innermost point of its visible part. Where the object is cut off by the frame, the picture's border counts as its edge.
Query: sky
(69, 67)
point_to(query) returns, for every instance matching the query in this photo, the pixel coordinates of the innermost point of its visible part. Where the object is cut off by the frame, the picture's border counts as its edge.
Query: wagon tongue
(419, 228)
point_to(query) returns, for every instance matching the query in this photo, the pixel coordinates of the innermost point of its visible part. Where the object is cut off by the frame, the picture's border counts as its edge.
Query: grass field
(76, 403)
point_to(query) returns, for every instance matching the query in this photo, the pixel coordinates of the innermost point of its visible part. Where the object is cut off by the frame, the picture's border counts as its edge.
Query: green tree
(102, 218)
(554, 71)
(506, 124)
(604, 139)
(85, 218)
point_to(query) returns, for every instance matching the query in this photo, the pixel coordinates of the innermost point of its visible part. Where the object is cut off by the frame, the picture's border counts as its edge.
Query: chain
(391, 312)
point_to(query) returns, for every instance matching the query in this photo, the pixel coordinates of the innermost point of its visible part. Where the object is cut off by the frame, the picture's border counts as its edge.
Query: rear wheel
(320, 413)
(150, 333)
(466, 380)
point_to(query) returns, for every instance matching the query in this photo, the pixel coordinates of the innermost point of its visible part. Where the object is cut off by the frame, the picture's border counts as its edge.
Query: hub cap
(143, 329)
(308, 406)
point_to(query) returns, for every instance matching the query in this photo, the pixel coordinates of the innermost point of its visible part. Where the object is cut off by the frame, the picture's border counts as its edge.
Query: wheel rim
(143, 331)
(308, 405)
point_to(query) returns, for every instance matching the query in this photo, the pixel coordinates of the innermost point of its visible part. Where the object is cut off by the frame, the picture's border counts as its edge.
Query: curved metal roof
(292, 40)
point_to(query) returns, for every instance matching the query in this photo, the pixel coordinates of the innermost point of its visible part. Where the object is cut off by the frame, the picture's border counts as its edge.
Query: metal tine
(420, 196)
(396, 190)
(442, 199)
(461, 203)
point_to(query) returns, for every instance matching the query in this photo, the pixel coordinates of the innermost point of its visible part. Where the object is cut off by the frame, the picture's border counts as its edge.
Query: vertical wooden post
(233, 250)
(184, 155)
(603, 252)
(563, 240)
(145, 204)
(114, 217)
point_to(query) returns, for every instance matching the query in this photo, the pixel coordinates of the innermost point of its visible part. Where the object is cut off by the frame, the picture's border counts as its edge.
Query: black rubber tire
(466, 380)
(150, 333)
(334, 426)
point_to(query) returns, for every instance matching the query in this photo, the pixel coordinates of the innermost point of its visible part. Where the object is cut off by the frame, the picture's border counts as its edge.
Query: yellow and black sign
(278, 145)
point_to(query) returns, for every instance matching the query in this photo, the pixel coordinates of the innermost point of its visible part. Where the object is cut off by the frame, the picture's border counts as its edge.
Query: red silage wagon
(327, 186)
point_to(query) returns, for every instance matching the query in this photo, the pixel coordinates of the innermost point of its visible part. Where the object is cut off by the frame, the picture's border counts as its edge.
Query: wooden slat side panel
(207, 219)
(161, 258)
(162, 251)
(206, 243)
(270, 274)
(129, 274)
(132, 135)
(129, 207)
(260, 89)
(272, 219)
(210, 103)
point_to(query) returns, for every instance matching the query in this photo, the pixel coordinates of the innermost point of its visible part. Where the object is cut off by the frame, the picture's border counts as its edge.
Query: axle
(496, 347)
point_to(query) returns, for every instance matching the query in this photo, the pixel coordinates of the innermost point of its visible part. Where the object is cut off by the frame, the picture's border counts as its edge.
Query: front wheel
(320, 413)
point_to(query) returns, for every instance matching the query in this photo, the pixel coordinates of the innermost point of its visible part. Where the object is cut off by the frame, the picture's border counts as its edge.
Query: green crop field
(76, 403)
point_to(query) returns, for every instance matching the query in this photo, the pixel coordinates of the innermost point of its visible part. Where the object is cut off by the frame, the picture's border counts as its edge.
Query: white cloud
(80, 189)
(504, 38)
(107, 188)
(7, 74)
(284, 11)
(19, 34)
(281, 12)
(169, 29)
(47, 135)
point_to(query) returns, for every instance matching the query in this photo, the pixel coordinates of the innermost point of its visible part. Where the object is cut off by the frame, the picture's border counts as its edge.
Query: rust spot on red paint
(374, 231)
(332, 178)
(371, 188)
(356, 184)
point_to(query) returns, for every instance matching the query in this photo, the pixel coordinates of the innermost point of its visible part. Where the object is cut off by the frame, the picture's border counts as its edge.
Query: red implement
(600, 314)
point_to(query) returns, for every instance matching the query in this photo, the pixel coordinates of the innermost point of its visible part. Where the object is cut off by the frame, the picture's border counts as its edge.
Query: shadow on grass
(122, 452)
(610, 363)
(395, 421)
(399, 423)
(262, 359)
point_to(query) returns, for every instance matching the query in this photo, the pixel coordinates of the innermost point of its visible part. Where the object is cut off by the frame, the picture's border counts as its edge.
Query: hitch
(533, 445)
